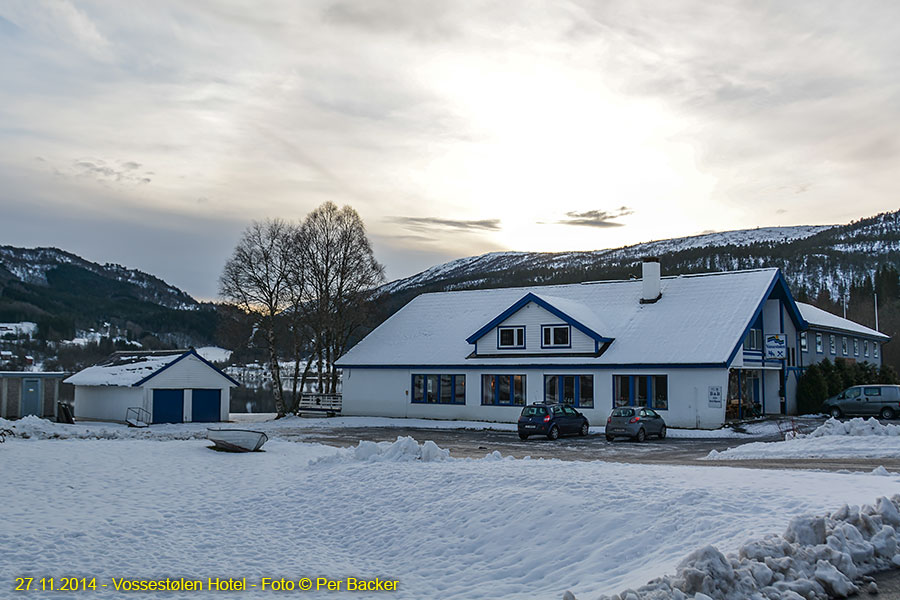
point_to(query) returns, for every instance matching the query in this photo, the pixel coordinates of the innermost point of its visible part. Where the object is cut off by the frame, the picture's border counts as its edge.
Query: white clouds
(695, 115)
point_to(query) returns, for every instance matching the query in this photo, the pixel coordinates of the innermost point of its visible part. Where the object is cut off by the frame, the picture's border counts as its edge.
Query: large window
(804, 345)
(439, 389)
(819, 343)
(641, 390)
(753, 341)
(503, 390)
(556, 336)
(577, 390)
(510, 337)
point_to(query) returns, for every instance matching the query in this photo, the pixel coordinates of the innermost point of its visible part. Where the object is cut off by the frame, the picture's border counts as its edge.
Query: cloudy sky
(150, 133)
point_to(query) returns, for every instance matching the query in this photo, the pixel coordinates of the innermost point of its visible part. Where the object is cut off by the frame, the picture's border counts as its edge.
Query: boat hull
(237, 440)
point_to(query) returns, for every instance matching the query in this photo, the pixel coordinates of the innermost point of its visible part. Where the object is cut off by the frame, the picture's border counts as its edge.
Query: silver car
(636, 422)
(866, 401)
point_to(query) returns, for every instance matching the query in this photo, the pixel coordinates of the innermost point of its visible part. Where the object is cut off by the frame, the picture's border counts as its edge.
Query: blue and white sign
(776, 346)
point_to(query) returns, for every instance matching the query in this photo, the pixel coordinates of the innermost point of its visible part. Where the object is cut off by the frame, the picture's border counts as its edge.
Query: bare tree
(341, 273)
(255, 279)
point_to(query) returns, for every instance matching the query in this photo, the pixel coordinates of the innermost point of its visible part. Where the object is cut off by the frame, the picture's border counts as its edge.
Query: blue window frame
(511, 337)
(556, 336)
(577, 390)
(503, 390)
(641, 390)
(438, 389)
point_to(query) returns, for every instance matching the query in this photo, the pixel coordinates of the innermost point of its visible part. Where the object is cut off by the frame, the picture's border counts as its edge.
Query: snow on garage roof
(698, 320)
(133, 368)
(822, 318)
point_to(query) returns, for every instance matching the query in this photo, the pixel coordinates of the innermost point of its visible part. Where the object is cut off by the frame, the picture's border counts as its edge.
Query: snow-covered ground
(445, 528)
(856, 438)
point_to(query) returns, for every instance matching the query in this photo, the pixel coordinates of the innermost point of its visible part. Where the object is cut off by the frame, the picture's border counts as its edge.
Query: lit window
(503, 390)
(555, 336)
(439, 389)
(510, 337)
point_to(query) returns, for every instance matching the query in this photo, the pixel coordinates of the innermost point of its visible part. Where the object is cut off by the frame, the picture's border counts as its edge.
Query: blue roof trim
(780, 283)
(551, 366)
(190, 352)
(531, 297)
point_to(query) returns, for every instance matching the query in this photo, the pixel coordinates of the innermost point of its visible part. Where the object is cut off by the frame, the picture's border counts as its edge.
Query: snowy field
(446, 529)
(856, 438)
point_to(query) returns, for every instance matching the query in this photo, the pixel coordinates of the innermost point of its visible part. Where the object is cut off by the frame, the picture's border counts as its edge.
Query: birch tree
(256, 280)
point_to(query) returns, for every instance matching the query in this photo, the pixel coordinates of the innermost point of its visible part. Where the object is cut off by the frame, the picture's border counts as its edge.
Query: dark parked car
(552, 420)
(865, 400)
(636, 422)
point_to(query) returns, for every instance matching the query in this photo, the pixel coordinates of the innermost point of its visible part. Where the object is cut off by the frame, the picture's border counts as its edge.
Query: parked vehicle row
(554, 420)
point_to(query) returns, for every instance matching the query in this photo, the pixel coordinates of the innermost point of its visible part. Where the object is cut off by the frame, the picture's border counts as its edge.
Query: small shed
(175, 386)
(24, 393)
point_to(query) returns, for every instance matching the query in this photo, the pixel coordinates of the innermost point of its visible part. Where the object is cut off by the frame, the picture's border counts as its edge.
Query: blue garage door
(205, 406)
(168, 406)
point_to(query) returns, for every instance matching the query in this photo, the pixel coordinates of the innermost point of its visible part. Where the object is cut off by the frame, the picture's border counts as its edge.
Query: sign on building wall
(715, 396)
(776, 346)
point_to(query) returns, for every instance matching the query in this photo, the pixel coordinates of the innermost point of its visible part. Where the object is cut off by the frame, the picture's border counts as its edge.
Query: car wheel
(641, 435)
(553, 433)
(610, 438)
(836, 413)
(662, 432)
(887, 412)
(585, 428)
(523, 436)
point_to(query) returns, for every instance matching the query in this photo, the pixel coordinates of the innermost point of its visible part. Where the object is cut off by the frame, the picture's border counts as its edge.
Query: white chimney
(650, 276)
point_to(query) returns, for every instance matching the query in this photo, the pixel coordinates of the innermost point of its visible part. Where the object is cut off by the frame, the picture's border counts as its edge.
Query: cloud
(596, 218)
(122, 172)
(424, 224)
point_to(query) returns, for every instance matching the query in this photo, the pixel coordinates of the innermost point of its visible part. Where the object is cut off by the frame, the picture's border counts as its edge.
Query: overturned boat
(236, 440)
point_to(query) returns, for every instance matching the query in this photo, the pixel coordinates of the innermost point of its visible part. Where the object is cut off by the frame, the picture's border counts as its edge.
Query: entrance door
(31, 397)
(168, 406)
(205, 406)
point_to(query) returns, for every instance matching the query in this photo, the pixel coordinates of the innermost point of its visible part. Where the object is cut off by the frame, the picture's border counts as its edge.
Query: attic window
(555, 336)
(510, 337)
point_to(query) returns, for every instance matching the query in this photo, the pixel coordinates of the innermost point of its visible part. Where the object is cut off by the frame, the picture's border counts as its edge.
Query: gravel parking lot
(475, 444)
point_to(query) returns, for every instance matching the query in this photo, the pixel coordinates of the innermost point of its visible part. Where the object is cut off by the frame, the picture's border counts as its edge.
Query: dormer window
(510, 337)
(556, 336)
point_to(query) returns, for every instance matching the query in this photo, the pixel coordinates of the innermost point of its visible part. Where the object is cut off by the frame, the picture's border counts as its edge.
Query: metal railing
(138, 416)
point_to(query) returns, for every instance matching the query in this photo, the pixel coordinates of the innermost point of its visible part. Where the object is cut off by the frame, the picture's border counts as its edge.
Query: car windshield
(623, 412)
(533, 411)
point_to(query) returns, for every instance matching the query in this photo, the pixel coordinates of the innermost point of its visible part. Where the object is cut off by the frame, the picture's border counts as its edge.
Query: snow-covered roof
(822, 318)
(132, 368)
(698, 320)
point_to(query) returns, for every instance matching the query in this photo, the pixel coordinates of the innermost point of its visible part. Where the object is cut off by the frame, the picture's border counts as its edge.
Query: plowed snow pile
(856, 438)
(817, 557)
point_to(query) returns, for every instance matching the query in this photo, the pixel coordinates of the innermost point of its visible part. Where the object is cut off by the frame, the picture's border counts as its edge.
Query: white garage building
(700, 349)
(153, 387)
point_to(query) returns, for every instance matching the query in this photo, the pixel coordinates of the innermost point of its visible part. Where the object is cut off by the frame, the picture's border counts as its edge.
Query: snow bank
(403, 450)
(856, 438)
(33, 427)
(816, 558)
(854, 427)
